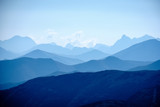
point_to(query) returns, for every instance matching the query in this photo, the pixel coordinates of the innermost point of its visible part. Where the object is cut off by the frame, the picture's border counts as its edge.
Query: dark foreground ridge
(118, 88)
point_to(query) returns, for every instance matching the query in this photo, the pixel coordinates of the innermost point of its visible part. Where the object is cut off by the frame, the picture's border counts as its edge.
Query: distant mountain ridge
(18, 44)
(123, 43)
(126, 42)
(90, 55)
(42, 54)
(108, 63)
(4, 54)
(145, 51)
(153, 66)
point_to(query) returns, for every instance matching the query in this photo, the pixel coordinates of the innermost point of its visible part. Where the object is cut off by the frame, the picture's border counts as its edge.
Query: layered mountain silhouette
(145, 51)
(102, 47)
(4, 54)
(153, 66)
(17, 44)
(25, 68)
(51, 48)
(126, 42)
(78, 89)
(109, 63)
(50, 75)
(22, 69)
(121, 44)
(42, 54)
(91, 55)
(79, 50)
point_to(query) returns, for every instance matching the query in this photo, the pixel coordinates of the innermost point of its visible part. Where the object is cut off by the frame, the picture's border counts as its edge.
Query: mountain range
(109, 63)
(90, 55)
(121, 44)
(126, 74)
(42, 54)
(17, 44)
(53, 48)
(36, 63)
(153, 66)
(145, 51)
(4, 54)
(78, 89)
(23, 69)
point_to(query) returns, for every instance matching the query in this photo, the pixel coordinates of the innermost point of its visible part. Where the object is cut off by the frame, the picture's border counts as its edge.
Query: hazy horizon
(87, 45)
(81, 22)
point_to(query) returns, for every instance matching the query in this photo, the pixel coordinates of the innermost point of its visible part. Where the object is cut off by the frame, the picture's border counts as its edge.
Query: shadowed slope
(72, 90)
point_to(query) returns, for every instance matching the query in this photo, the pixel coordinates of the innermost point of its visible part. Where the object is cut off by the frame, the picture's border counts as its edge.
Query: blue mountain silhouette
(153, 66)
(23, 69)
(18, 44)
(42, 54)
(121, 44)
(145, 51)
(77, 89)
(109, 63)
(126, 42)
(4, 54)
(91, 55)
(53, 48)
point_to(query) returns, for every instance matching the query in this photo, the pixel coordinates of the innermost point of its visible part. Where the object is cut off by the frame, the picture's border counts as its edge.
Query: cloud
(51, 32)
(77, 39)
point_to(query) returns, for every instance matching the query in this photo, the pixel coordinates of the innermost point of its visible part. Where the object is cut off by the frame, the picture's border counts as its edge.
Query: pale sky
(81, 22)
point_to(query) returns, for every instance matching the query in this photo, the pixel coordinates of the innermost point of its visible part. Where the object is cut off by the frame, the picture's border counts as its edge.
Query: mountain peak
(144, 51)
(18, 44)
(112, 58)
(125, 37)
(37, 50)
(69, 46)
(146, 37)
(20, 37)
